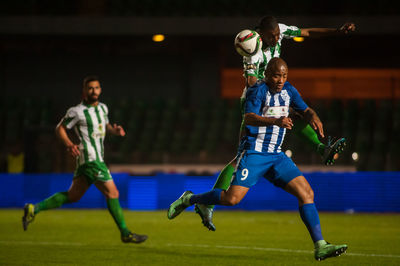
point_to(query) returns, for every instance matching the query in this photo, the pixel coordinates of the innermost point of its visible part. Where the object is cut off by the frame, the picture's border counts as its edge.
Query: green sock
(305, 132)
(52, 202)
(224, 179)
(116, 212)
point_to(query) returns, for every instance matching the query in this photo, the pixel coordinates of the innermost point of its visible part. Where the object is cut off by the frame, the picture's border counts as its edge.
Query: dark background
(47, 47)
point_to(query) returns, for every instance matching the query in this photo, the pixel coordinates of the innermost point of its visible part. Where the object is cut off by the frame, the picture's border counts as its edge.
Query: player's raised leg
(111, 193)
(332, 150)
(327, 152)
(301, 189)
(216, 196)
(223, 181)
(304, 131)
(244, 178)
(76, 191)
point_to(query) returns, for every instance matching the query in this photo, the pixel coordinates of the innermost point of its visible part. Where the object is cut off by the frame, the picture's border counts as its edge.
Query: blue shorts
(277, 168)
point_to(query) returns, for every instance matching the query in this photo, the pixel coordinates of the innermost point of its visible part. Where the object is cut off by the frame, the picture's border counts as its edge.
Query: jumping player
(272, 34)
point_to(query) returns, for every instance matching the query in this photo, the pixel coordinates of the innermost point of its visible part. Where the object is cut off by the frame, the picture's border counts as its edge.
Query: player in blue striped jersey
(267, 119)
(269, 138)
(272, 34)
(89, 119)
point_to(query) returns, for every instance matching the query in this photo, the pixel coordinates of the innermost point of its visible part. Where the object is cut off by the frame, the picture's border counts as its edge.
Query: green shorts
(93, 171)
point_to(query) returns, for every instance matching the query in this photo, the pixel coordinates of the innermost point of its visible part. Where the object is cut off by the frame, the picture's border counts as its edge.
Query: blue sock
(208, 198)
(309, 215)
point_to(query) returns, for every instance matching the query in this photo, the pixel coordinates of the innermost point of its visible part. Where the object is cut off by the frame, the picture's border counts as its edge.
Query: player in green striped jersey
(89, 119)
(272, 33)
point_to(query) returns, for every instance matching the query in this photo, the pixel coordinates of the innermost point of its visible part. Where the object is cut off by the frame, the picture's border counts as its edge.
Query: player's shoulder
(76, 108)
(289, 31)
(288, 85)
(282, 27)
(103, 106)
(260, 84)
(290, 88)
(258, 88)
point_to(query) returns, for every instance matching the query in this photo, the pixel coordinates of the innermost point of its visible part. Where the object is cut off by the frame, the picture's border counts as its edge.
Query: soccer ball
(248, 43)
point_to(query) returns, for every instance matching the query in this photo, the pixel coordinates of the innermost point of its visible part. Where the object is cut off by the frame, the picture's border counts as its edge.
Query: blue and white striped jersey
(261, 101)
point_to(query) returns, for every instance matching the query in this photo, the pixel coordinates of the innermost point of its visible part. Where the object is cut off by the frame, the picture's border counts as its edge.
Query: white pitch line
(200, 246)
(374, 255)
(281, 250)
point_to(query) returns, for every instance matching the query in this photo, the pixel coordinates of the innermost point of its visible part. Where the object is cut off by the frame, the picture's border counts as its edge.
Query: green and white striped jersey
(89, 123)
(255, 65)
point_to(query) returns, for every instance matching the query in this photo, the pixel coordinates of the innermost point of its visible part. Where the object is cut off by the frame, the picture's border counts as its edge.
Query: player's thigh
(233, 162)
(234, 195)
(250, 167)
(78, 188)
(283, 170)
(301, 189)
(94, 171)
(108, 188)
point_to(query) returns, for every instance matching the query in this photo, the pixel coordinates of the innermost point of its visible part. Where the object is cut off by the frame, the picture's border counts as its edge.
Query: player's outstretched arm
(317, 32)
(312, 118)
(61, 132)
(116, 130)
(252, 119)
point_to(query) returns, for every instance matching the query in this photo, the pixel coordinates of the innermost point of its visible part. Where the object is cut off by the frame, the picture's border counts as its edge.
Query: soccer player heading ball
(267, 119)
(89, 119)
(272, 33)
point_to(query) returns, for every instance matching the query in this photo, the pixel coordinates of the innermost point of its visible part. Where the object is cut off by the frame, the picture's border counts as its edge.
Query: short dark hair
(268, 23)
(90, 78)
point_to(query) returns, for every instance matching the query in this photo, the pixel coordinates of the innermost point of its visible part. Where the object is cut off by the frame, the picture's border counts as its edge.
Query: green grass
(89, 237)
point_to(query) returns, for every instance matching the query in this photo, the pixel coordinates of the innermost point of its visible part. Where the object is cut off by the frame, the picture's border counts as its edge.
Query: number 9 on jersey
(245, 174)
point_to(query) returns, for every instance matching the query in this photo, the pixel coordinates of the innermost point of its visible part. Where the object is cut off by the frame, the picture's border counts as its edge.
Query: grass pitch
(90, 237)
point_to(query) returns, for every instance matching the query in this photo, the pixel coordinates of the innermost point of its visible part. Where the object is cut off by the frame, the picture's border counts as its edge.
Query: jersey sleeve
(71, 118)
(289, 32)
(253, 102)
(296, 102)
(250, 65)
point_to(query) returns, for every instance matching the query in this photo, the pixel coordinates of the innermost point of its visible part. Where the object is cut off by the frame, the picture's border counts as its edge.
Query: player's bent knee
(232, 201)
(308, 196)
(74, 198)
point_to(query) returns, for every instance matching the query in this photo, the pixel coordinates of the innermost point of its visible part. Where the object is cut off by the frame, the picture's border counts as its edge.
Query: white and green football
(248, 43)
